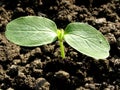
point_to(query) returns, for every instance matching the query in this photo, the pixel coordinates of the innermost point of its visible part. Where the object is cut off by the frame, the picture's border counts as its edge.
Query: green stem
(62, 49)
(60, 34)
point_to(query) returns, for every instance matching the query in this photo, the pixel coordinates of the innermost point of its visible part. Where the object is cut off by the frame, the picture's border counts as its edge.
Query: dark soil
(41, 68)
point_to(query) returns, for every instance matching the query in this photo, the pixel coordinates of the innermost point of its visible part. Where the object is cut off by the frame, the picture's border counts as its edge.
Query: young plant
(36, 31)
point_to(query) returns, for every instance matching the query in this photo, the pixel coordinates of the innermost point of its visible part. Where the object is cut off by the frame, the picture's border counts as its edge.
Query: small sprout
(36, 31)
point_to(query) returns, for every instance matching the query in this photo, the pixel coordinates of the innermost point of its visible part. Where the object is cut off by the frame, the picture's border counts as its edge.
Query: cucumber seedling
(36, 31)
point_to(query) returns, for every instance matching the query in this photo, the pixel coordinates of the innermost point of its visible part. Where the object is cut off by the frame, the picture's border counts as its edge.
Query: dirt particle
(100, 20)
(62, 74)
(111, 38)
(42, 84)
(10, 88)
(13, 71)
(90, 86)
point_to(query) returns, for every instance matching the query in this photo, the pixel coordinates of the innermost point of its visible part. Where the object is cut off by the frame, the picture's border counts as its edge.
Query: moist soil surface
(42, 68)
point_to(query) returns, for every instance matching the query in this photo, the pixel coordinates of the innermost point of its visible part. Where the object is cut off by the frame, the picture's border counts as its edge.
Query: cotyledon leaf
(87, 40)
(31, 31)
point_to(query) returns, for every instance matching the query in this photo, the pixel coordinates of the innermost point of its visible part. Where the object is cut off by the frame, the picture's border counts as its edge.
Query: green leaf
(31, 31)
(87, 40)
